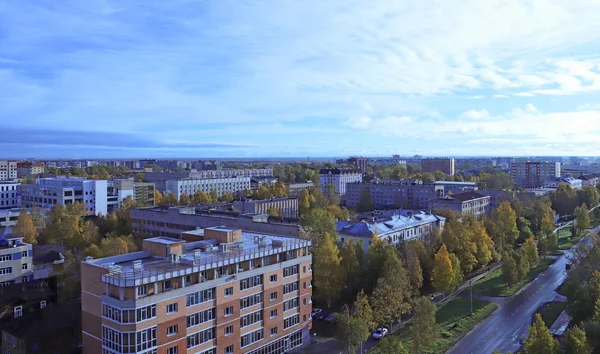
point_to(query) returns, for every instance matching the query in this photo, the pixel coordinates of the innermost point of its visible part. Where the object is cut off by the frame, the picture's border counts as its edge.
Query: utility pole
(471, 294)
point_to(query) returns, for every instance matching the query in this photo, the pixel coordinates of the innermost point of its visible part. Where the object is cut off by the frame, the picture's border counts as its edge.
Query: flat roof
(164, 240)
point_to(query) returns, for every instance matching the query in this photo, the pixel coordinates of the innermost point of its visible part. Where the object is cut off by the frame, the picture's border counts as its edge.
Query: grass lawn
(454, 321)
(493, 283)
(551, 311)
(565, 241)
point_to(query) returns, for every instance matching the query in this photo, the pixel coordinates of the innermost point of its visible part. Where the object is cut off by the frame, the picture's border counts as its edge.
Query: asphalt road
(504, 329)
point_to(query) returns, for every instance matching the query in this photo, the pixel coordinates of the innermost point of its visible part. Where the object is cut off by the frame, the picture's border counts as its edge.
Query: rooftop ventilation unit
(114, 269)
(137, 265)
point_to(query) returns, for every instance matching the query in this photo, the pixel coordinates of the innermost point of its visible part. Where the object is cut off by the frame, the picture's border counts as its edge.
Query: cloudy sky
(228, 78)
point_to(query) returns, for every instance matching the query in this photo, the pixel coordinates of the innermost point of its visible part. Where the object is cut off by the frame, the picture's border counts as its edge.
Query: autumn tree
(389, 344)
(355, 325)
(184, 199)
(443, 274)
(327, 272)
(350, 264)
(25, 228)
(576, 342)
(522, 264)
(423, 329)
(539, 340)
(158, 197)
(582, 219)
(227, 197)
(509, 269)
(485, 244)
(502, 227)
(413, 267)
(316, 224)
(303, 202)
(214, 195)
(200, 197)
(531, 252)
(588, 195)
(458, 238)
(171, 199)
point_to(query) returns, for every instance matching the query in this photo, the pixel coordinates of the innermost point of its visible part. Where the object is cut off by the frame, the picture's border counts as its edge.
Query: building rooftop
(465, 196)
(457, 183)
(560, 325)
(337, 171)
(386, 223)
(44, 322)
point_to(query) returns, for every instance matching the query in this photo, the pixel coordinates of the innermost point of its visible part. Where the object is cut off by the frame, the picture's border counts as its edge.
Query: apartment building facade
(9, 195)
(533, 174)
(472, 202)
(172, 221)
(286, 206)
(233, 292)
(360, 163)
(295, 188)
(338, 178)
(407, 194)
(27, 169)
(47, 192)
(8, 170)
(189, 186)
(16, 263)
(160, 178)
(445, 165)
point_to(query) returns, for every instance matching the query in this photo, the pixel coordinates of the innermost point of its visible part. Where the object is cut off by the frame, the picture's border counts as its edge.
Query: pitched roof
(386, 224)
(466, 196)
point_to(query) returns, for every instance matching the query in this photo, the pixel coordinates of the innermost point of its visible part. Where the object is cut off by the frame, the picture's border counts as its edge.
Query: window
(274, 331)
(252, 338)
(166, 285)
(273, 313)
(250, 282)
(304, 318)
(18, 311)
(303, 269)
(290, 287)
(251, 318)
(24, 266)
(24, 254)
(273, 296)
(289, 271)
(290, 304)
(228, 330)
(142, 290)
(7, 270)
(200, 337)
(24, 279)
(42, 304)
(229, 311)
(229, 349)
(173, 350)
(6, 257)
(172, 330)
(200, 297)
(172, 307)
(200, 317)
(304, 301)
(304, 285)
(273, 278)
(310, 267)
(251, 300)
(291, 321)
(229, 291)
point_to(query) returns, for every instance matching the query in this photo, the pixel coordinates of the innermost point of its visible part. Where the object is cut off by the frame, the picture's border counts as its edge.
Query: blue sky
(244, 78)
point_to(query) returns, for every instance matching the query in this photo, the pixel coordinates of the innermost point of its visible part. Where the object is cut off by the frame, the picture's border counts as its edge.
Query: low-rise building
(287, 207)
(231, 292)
(451, 187)
(393, 227)
(295, 188)
(337, 179)
(16, 263)
(160, 178)
(9, 195)
(590, 179)
(464, 203)
(574, 183)
(28, 169)
(407, 194)
(256, 182)
(189, 186)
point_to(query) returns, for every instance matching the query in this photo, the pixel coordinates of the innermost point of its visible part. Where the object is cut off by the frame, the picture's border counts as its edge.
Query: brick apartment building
(445, 165)
(230, 292)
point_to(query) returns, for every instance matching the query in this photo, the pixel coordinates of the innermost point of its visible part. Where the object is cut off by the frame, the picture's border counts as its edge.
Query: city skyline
(250, 79)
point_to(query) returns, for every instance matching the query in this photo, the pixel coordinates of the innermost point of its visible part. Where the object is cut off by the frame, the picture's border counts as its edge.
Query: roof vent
(114, 269)
(137, 265)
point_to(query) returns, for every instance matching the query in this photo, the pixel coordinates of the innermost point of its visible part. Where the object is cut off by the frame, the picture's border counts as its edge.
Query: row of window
(200, 337)
(289, 271)
(252, 337)
(200, 297)
(7, 270)
(290, 287)
(128, 316)
(129, 342)
(251, 300)
(291, 303)
(200, 317)
(291, 321)
(251, 318)
(251, 282)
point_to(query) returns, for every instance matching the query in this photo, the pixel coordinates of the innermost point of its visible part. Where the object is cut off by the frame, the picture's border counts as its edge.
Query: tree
(171, 199)
(588, 195)
(25, 228)
(582, 219)
(531, 252)
(564, 199)
(365, 202)
(139, 177)
(355, 326)
(200, 197)
(443, 274)
(458, 238)
(539, 340)
(485, 244)
(413, 267)
(303, 202)
(389, 345)
(509, 269)
(423, 329)
(350, 265)
(227, 197)
(184, 199)
(522, 264)
(316, 224)
(327, 272)
(457, 275)
(576, 342)
(214, 195)
(158, 197)
(502, 226)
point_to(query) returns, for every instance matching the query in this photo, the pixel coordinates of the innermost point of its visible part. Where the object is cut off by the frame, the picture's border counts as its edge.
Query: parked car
(380, 333)
(330, 317)
(321, 315)
(315, 312)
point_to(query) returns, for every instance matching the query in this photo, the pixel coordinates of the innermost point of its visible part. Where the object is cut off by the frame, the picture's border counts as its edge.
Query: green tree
(509, 269)
(588, 195)
(392, 293)
(25, 228)
(354, 326)
(227, 197)
(316, 224)
(214, 195)
(423, 329)
(502, 227)
(522, 264)
(564, 199)
(457, 275)
(389, 345)
(443, 274)
(273, 212)
(576, 342)
(184, 199)
(582, 219)
(365, 202)
(327, 271)
(140, 177)
(200, 197)
(350, 265)
(539, 340)
(531, 252)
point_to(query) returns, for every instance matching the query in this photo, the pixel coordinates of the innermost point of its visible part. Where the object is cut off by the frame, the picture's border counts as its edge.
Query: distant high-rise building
(532, 174)
(445, 165)
(337, 178)
(9, 195)
(8, 170)
(28, 169)
(360, 163)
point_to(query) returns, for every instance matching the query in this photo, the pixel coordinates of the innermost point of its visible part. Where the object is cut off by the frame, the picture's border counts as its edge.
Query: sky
(281, 78)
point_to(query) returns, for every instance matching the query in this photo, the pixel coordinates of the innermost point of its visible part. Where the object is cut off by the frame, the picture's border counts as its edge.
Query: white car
(380, 333)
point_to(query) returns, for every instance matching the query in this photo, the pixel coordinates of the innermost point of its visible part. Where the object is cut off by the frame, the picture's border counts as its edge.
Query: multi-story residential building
(407, 194)
(445, 165)
(231, 292)
(47, 329)
(47, 192)
(591, 179)
(160, 178)
(451, 187)
(9, 217)
(172, 221)
(189, 186)
(119, 189)
(27, 169)
(464, 203)
(360, 163)
(295, 188)
(15, 259)
(9, 195)
(393, 227)
(533, 174)
(286, 206)
(386, 161)
(8, 170)
(143, 193)
(337, 179)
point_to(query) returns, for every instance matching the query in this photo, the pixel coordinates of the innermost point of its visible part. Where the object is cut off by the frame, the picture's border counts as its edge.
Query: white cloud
(530, 108)
(524, 94)
(500, 96)
(476, 115)
(360, 122)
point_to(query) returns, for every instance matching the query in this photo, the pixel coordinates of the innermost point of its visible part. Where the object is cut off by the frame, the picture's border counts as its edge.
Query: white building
(9, 195)
(8, 170)
(16, 264)
(47, 192)
(189, 186)
(337, 179)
